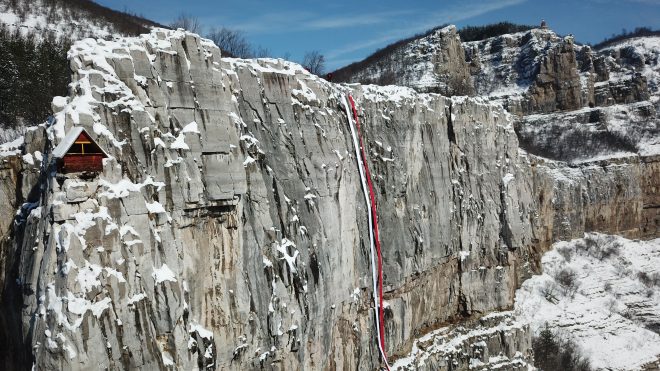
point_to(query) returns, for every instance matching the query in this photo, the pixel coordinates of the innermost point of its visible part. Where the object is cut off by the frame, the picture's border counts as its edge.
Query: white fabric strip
(365, 191)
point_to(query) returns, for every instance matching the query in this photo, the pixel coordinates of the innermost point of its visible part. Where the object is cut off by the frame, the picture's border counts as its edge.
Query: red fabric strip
(372, 196)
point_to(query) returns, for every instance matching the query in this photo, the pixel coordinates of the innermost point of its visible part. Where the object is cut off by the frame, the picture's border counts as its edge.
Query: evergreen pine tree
(8, 79)
(546, 350)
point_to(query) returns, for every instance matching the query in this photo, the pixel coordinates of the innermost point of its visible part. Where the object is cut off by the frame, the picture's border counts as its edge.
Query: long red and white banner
(374, 241)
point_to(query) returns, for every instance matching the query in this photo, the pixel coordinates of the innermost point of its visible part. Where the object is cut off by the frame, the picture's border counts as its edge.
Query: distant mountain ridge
(468, 33)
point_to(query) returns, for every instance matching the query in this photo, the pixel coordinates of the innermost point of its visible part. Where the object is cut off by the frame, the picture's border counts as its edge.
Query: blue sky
(347, 31)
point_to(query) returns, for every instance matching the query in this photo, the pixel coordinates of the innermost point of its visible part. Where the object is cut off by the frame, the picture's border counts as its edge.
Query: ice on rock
(201, 331)
(180, 142)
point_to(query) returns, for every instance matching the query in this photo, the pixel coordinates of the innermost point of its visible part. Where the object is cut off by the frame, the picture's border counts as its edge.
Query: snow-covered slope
(591, 134)
(642, 54)
(604, 292)
(69, 19)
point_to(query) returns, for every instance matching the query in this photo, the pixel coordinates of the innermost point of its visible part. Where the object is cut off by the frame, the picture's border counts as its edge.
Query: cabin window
(83, 146)
(77, 148)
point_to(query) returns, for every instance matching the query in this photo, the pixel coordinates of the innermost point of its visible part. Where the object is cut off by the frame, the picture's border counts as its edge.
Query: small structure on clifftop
(78, 152)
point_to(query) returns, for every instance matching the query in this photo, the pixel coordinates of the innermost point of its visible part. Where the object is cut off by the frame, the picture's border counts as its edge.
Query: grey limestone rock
(228, 229)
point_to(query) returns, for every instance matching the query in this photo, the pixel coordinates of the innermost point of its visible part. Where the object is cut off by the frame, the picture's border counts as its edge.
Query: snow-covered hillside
(68, 19)
(604, 292)
(643, 54)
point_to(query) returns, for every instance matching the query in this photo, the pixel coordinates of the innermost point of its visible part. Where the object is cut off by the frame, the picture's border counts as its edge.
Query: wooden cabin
(78, 152)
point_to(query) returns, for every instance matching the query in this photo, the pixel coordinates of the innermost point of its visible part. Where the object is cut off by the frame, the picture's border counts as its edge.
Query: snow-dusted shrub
(623, 268)
(612, 305)
(567, 278)
(566, 252)
(549, 291)
(610, 249)
(599, 246)
(649, 292)
(649, 280)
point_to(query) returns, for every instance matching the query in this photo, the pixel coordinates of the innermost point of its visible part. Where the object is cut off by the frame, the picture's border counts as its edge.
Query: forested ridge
(32, 71)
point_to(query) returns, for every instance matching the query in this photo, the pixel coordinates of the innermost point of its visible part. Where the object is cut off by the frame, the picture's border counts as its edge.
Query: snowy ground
(58, 21)
(11, 148)
(602, 291)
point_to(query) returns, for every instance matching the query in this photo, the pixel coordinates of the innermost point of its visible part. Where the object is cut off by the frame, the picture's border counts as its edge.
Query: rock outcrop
(434, 64)
(228, 230)
(557, 84)
(496, 341)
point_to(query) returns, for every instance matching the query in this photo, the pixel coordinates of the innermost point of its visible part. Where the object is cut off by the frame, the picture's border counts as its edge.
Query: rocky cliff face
(228, 229)
(574, 104)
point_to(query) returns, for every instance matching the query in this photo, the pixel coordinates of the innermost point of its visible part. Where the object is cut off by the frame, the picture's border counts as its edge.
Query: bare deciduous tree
(187, 22)
(261, 52)
(314, 61)
(231, 41)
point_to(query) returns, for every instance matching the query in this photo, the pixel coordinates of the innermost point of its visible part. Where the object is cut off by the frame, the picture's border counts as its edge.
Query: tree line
(624, 35)
(32, 71)
(477, 33)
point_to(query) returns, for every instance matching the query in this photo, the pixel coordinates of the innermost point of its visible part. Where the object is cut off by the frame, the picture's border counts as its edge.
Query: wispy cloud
(354, 21)
(306, 21)
(464, 11)
(352, 47)
(270, 22)
(646, 2)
